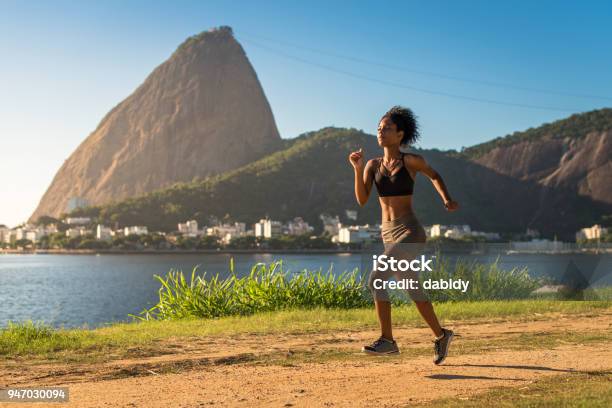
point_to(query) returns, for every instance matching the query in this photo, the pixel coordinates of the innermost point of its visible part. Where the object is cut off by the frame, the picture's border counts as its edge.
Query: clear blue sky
(65, 64)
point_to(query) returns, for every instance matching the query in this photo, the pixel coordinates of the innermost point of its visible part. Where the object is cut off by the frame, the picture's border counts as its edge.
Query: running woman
(394, 174)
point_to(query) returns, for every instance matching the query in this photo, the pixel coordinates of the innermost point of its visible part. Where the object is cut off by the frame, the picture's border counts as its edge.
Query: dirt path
(217, 372)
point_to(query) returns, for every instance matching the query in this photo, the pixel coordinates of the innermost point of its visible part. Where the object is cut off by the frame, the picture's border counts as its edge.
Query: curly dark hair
(405, 120)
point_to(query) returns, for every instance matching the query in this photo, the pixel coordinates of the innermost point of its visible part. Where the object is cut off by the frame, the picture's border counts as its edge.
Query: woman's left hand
(451, 205)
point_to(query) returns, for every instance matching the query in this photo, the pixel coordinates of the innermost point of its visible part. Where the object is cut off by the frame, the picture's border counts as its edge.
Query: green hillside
(575, 126)
(311, 176)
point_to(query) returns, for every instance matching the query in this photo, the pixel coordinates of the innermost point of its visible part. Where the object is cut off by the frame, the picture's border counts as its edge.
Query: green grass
(588, 390)
(23, 338)
(268, 287)
(487, 281)
(27, 339)
(597, 293)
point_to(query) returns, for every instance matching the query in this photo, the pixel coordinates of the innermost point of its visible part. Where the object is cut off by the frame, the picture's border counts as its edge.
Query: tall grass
(268, 288)
(486, 281)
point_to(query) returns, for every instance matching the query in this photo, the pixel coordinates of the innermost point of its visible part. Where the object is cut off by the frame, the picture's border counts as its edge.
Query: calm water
(90, 290)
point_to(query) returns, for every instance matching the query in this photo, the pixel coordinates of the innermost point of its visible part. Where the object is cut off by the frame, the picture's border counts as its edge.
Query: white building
(33, 236)
(458, 231)
(189, 228)
(297, 227)
(9, 236)
(76, 232)
(227, 232)
(20, 233)
(103, 233)
(594, 232)
(437, 230)
(268, 228)
(77, 220)
(357, 233)
(4, 231)
(135, 230)
(31, 232)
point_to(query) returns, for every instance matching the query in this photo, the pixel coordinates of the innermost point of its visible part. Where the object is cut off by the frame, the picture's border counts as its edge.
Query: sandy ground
(224, 372)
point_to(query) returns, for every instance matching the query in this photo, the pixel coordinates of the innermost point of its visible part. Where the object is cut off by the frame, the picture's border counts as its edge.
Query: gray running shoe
(441, 346)
(381, 347)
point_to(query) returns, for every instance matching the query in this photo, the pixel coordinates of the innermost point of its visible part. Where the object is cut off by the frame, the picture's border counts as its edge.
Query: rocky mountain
(573, 154)
(200, 113)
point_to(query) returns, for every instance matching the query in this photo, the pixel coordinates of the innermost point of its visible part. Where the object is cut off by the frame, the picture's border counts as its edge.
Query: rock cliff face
(581, 165)
(201, 112)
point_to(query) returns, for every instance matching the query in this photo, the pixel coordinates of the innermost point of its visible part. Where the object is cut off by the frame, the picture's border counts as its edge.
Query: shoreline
(590, 251)
(173, 251)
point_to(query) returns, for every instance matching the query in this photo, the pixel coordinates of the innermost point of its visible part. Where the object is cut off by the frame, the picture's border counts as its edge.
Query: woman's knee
(374, 276)
(376, 287)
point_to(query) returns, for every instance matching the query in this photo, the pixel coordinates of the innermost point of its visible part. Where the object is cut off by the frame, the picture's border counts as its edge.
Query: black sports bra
(398, 184)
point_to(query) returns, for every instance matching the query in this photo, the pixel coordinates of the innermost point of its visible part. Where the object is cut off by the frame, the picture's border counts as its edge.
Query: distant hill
(574, 127)
(311, 176)
(201, 112)
(572, 154)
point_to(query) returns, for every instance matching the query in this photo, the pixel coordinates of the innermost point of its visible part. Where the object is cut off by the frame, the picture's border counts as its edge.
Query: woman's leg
(385, 344)
(382, 302)
(412, 248)
(383, 311)
(426, 310)
(423, 304)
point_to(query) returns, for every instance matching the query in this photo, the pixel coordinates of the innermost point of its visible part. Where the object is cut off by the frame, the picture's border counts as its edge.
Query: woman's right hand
(356, 159)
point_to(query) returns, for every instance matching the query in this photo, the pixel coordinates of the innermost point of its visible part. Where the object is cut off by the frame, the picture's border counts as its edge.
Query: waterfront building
(268, 229)
(236, 229)
(457, 231)
(77, 220)
(135, 230)
(75, 232)
(189, 228)
(103, 233)
(357, 233)
(594, 232)
(4, 231)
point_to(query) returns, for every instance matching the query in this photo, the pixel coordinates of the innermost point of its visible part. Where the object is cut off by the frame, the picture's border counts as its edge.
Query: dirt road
(327, 370)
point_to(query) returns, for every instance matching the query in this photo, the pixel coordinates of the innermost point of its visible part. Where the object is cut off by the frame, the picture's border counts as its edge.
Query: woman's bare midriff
(395, 206)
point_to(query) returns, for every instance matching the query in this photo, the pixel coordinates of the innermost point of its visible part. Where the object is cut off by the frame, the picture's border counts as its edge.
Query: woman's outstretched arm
(363, 176)
(418, 163)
